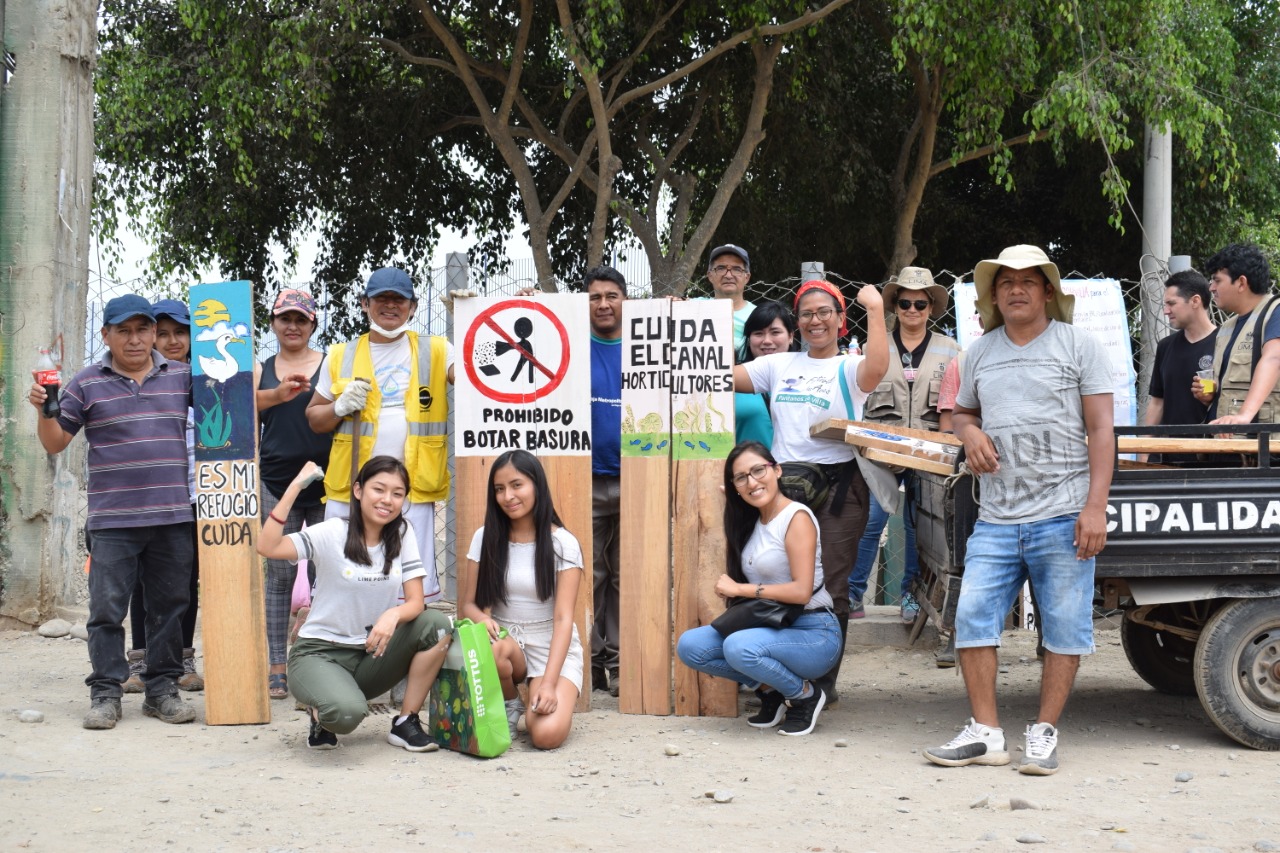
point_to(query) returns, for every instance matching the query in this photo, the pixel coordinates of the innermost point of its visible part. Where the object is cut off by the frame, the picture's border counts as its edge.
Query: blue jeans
(159, 558)
(999, 557)
(870, 544)
(783, 658)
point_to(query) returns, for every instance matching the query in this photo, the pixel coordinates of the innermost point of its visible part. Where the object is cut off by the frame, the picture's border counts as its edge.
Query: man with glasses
(729, 271)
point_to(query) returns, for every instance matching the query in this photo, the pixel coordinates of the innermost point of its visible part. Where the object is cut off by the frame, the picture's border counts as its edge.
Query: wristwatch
(759, 589)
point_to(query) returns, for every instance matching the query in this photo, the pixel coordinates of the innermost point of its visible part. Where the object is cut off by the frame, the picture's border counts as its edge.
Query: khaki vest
(1235, 370)
(896, 403)
(425, 409)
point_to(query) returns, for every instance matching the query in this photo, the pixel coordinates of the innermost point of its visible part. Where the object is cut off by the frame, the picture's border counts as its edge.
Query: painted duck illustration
(223, 368)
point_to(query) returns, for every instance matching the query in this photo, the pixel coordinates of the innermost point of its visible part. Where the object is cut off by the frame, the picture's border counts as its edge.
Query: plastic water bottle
(49, 376)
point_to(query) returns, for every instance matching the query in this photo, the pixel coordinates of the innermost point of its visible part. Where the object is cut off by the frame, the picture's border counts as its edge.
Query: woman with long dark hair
(770, 328)
(523, 571)
(361, 638)
(772, 552)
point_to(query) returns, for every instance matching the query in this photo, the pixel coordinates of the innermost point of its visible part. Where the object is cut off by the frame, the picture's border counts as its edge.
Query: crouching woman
(360, 638)
(772, 553)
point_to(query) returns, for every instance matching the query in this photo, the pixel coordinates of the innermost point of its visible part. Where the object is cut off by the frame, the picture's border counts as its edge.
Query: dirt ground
(858, 783)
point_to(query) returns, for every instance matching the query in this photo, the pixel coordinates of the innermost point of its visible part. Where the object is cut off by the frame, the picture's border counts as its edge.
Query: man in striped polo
(132, 406)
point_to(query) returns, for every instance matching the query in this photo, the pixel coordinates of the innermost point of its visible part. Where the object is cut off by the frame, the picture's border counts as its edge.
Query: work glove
(352, 397)
(448, 296)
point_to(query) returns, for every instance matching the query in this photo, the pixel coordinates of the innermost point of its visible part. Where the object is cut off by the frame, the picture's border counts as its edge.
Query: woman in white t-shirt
(806, 388)
(361, 637)
(523, 571)
(772, 552)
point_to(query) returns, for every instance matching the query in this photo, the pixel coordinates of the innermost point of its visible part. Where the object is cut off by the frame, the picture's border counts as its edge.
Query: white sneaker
(515, 712)
(976, 744)
(1041, 756)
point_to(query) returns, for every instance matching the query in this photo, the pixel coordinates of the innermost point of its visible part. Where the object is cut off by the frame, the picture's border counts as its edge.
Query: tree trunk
(46, 174)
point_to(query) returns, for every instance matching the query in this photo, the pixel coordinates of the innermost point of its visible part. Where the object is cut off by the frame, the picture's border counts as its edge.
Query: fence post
(457, 277)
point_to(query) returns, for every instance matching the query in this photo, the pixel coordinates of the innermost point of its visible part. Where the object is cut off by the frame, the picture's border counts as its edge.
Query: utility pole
(46, 187)
(1157, 240)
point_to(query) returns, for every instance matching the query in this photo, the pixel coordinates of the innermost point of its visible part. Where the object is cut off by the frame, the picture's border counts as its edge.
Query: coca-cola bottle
(48, 376)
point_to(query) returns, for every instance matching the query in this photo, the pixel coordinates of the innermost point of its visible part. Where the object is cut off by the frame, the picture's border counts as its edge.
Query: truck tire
(1163, 660)
(1237, 669)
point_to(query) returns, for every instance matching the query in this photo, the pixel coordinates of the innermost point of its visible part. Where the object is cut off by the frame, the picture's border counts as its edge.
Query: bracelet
(272, 516)
(759, 589)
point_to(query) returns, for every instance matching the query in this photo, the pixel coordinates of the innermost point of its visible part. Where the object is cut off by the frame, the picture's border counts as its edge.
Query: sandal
(278, 685)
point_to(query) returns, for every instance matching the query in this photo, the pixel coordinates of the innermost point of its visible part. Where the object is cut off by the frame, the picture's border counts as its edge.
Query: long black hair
(491, 576)
(762, 318)
(740, 517)
(392, 532)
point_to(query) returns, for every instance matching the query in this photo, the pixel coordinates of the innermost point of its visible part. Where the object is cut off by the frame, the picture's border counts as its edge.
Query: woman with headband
(806, 388)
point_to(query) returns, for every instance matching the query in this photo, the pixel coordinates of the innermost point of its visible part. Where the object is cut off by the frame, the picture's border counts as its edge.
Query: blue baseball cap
(390, 280)
(124, 307)
(174, 309)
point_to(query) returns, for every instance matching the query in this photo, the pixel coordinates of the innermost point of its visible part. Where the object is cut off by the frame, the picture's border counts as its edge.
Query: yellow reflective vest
(425, 410)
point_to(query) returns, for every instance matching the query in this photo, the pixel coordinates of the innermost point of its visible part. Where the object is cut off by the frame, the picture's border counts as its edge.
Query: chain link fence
(433, 318)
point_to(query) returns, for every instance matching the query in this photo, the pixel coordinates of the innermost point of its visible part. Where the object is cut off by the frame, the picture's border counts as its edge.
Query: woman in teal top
(770, 328)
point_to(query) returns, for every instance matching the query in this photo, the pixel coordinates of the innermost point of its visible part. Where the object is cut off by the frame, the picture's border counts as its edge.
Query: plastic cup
(1208, 382)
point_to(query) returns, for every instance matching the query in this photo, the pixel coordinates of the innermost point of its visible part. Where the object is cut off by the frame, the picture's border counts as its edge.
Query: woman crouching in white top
(773, 552)
(523, 571)
(360, 638)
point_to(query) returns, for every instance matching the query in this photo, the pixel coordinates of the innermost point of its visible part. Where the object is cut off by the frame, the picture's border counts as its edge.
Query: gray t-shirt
(1030, 402)
(764, 557)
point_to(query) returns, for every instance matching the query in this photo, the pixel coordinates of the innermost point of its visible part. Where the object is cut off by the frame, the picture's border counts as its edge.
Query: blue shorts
(1000, 557)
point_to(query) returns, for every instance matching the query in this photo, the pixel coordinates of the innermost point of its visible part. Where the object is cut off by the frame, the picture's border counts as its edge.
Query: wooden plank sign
(524, 381)
(233, 616)
(677, 428)
(893, 445)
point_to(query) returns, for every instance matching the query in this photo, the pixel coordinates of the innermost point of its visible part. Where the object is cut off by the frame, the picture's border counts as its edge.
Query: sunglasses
(919, 304)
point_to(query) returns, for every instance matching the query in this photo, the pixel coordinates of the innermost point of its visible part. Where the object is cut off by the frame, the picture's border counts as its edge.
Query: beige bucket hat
(1061, 307)
(917, 278)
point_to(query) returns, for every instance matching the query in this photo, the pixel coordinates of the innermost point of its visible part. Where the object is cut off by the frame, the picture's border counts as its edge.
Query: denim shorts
(1000, 557)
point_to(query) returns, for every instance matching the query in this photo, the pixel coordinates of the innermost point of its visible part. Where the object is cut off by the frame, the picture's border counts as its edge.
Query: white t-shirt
(392, 366)
(349, 597)
(522, 603)
(764, 557)
(804, 391)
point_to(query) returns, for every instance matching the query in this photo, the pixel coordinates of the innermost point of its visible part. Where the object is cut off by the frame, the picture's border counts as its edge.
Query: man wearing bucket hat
(907, 396)
(132, 406)
(1034, 413)
(384, 394)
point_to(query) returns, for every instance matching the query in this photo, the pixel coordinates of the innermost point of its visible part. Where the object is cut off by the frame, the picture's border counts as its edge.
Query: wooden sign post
(524, 381)
(232, 612)
(677, 429)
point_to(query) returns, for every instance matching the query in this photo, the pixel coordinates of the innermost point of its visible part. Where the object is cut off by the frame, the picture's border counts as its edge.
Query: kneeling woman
(772, 553)
(360, 638)
(523, 571)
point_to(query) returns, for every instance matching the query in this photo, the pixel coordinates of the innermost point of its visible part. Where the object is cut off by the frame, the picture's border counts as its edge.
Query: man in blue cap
(388, 388)
(132, 406)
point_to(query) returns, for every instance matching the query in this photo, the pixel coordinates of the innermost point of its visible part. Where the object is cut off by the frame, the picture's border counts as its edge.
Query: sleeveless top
(288, 442)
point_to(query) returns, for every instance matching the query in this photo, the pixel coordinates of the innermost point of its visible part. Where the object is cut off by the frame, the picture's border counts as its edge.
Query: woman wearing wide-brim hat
(906, 396)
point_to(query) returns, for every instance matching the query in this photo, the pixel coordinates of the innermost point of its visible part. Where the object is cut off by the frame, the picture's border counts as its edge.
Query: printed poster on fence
(1100, 309)
(677, 378)
(524, 378)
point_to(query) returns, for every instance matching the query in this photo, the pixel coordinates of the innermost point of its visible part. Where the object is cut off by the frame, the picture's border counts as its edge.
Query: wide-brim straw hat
(917, 278)
(1061, 307)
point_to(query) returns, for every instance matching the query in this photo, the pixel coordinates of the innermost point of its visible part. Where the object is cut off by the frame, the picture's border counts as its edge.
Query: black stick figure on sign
(523, 329)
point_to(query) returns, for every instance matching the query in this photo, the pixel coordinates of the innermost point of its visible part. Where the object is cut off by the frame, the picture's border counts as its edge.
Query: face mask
(389, 333)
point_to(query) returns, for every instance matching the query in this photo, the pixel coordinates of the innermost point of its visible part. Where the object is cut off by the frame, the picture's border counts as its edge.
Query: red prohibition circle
(486, 316)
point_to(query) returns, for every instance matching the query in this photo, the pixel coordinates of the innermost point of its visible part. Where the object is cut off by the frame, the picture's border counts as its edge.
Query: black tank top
(288, 442)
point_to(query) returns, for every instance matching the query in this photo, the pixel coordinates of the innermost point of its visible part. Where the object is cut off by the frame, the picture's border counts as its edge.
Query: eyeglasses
(756, 473)
(919, 304)
(722, 269)
(821, 314)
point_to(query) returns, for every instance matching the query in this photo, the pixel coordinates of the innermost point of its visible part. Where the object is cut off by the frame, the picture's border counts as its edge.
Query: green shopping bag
(467, 711)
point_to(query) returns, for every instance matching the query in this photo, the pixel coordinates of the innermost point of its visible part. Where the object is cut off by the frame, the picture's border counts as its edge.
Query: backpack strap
(844, 390)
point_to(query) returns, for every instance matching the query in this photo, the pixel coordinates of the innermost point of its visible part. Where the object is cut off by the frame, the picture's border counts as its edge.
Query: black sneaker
(409, 735)
(168, 709)
(103, 713)
(321, 738)
(802, 714)
(771, 709)
(615, 681)
(599, 679)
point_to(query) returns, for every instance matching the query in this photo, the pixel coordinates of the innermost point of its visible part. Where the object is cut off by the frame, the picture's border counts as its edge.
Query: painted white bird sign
(223, 366)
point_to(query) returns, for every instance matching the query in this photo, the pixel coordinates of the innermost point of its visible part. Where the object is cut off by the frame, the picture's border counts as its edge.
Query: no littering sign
(526, 375)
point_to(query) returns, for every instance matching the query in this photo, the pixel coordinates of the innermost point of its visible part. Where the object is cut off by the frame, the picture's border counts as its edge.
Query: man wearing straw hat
(1034, 413)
